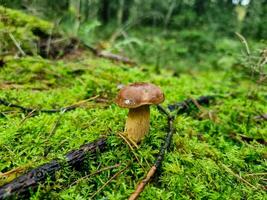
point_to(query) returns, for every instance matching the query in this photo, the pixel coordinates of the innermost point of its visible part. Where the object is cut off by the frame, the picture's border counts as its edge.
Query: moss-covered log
(34, 177)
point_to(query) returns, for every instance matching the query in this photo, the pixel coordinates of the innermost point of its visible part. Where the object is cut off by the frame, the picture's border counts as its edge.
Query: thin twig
(261, 116)
(196, 103)
(140, 187)
(16, 44)
(115, 57)
(17, 170)
(96, 172)
(53, 130)
(132, 150)
(26, 117)
(256, 174)
(244, 41)
(243, 138)
(128, 143)
(162, 110)
(105, 184)
(28, 110)
(185, 106)
(238, 176)
(48, 43)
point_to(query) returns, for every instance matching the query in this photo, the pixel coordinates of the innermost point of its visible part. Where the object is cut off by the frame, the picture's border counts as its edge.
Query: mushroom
(138, 97)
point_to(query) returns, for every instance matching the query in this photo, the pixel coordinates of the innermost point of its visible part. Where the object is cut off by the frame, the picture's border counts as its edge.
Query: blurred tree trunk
(169, 14)
(200, 6)
(120, 12)
(133, 11)
(126, 12)
(74, 7)
(104, 11)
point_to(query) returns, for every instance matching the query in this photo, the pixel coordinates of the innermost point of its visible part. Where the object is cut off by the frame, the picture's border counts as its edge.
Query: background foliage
(189, 48)
(223, 16)
(171, 34)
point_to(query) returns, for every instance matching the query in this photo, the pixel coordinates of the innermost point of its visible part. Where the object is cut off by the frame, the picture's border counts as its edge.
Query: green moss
(203, 155)
(20, 19)
(27, 30)
(192, 168)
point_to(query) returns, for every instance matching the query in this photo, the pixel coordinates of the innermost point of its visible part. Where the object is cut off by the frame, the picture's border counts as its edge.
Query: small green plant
(74, 27)
(254, 62)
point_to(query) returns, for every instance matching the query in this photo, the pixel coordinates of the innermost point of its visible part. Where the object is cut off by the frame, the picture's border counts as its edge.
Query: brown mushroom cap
(138, 94)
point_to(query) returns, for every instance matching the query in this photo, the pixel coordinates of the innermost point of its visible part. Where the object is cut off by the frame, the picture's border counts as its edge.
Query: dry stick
(55, 126)
(196, 103)
(10, 86)
(11, 105)
(105, 184)
(17, 44)
(243, 138)
(110, 56)
(26, 117)
(17, 170)
(115, 57)
(244, 41)
(203, 110)
(261, 116)
(32, 178)
(128, 143)
(48, 43)
(140, 187)
(96, 172)
(28, 110)
(238, 177)
(132, 150)
(256, 174)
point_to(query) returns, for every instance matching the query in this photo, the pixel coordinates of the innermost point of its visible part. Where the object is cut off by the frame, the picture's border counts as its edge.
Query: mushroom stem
(137, 123)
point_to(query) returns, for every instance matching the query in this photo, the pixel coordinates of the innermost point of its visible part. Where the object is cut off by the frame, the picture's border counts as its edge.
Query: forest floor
(218, 150)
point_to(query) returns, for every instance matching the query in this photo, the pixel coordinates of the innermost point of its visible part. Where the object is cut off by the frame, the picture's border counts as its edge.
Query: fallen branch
(181, 107)
(110, 56)
(188, 104)
(115, 57)
(34, 110)
(32, 178)
(140, 187)
(243, 138)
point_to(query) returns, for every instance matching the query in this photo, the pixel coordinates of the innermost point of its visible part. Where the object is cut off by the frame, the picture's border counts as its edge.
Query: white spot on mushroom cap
(127, 101)
(120, 86)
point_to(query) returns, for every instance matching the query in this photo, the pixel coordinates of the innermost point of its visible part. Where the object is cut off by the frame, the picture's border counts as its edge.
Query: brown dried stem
(140, 187)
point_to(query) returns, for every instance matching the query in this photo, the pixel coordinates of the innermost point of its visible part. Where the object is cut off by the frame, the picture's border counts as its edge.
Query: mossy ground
(203, 157)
